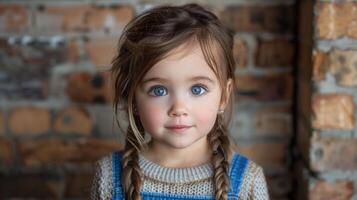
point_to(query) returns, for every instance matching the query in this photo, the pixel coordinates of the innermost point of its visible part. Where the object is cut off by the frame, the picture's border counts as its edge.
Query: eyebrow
(196, 78)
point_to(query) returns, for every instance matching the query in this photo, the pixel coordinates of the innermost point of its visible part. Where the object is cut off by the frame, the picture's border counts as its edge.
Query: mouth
(178, 128)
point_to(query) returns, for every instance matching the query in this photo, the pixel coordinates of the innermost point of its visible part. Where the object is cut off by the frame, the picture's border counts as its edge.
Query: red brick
(73, 120)
(89, 88)
(78, 185)
(240, 53)
(83, 18)
(258, 153)
(279, 19)
(16, 185)
(5, 152)
(343, 65)
(271, 53)
(273, 121)
(72, 51)
(339, 63)
(29, 120)
(60, 152)
(112, 19)
(264, 88)
(333, 112)
(2, 124)
(13, 18)
(333, 153)
(62, 18)
(101, 51)
(336, 20)
(339, 190)
(320, 65)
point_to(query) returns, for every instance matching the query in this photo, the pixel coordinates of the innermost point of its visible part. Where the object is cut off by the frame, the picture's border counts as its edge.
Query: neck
(168, 156)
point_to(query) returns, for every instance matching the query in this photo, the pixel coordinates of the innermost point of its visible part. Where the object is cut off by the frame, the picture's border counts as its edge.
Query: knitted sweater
(246, 180)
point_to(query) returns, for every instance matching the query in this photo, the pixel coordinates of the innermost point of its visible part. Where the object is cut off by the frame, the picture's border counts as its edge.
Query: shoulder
(103, 175)
(253, 185)
(107, 160)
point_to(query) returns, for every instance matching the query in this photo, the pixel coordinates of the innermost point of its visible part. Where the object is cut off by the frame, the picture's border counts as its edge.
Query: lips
(178, 128)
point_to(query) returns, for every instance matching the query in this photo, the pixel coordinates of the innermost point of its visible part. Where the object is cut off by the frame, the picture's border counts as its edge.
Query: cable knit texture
(247, 180)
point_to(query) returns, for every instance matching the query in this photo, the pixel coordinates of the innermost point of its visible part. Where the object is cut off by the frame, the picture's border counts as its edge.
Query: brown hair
(146, 40)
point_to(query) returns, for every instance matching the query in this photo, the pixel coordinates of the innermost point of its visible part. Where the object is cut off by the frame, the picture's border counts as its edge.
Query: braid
(219, 142)
(131, 172)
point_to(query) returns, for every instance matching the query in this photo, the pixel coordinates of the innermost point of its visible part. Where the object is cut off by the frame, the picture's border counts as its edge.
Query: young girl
(174, 78)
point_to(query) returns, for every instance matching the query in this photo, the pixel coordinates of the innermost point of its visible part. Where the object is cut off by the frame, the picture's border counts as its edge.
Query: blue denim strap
(237, 170)
(116, 170)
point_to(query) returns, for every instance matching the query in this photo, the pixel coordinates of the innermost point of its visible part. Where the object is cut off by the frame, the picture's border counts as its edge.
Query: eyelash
(160, 86)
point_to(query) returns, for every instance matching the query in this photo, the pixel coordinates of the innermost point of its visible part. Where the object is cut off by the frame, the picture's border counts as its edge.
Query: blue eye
(158, 91)
(198, 90)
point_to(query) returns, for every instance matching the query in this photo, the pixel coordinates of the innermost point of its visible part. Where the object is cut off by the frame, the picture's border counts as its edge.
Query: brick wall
(327, 101)
(56, 115)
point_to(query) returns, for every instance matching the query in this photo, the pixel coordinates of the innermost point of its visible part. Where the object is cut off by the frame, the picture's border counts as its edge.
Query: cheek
(150, 116)
(206, 119)
(206, 114)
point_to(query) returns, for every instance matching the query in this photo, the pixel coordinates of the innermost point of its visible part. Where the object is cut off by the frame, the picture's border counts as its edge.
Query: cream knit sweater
(180, 181)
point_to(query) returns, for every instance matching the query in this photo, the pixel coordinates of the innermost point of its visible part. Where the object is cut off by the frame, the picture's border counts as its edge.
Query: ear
(227, 93)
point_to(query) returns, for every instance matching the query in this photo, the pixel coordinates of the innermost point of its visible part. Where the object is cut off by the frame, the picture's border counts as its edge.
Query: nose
(178, 108)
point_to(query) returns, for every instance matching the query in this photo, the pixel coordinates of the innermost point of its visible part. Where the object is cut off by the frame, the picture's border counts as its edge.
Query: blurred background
(295, 104)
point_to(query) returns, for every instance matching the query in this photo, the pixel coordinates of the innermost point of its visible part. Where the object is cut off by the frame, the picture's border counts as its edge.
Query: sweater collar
(175, 175)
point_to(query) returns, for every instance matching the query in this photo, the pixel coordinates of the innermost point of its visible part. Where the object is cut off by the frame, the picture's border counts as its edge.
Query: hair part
(149, 38)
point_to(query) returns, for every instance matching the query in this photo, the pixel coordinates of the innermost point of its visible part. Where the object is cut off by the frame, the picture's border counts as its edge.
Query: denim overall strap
(116, 170)
(237, 170)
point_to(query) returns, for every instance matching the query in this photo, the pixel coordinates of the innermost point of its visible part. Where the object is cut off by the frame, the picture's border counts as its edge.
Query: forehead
(186, 60)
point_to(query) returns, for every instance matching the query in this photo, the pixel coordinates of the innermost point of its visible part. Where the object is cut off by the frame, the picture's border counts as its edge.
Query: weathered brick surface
(342, 64)
(258, 153)
(87, 88)
(279, 19)
(26, 63)
(82, 18)
(333, 111)
(14, 18)
(101, 51)
(320, 65)
(5, 152)
(240, 53)
(60, 152)
(29, 121)
(264, 88)
(73, 120)
(78, 185)
(111, 18)
(333, 153)
(336, 20)
(73, 50)
(273, 122)
(339, 190)
(15, 185)
(263, 122)
(272, 53)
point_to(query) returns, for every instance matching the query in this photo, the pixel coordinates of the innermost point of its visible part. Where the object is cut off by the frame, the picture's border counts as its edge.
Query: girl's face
(178, 99)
